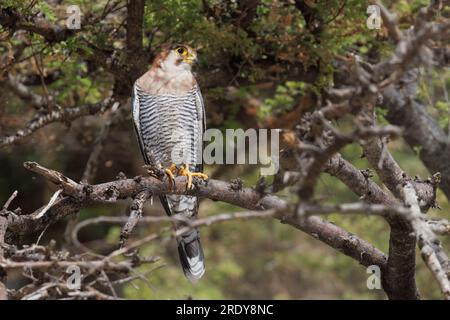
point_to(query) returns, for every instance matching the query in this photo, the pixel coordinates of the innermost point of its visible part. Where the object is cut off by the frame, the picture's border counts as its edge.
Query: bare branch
(213, 189)
(42, 120)
(399, 276)
(52, 201)
(10, 199)
(24, 93)
(135, 215)
(429, 245)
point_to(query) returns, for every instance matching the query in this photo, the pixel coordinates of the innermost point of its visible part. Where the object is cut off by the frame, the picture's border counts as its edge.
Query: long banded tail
(189, 247)
(191, 255)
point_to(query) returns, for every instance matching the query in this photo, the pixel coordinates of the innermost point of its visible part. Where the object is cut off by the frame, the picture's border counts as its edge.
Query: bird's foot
(184, 171)
(170, 174)
(155, 172)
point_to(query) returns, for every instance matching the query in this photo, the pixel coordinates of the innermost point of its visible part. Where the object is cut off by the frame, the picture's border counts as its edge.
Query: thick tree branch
(430, 247)
(421, 130)
(399, 276)
(13, 20)
(135, 215)
(78, 195)
(402, 255)
(135, 55)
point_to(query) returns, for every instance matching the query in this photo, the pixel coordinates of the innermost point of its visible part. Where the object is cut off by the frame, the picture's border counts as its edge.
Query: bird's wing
(137, 129)
(200, 113)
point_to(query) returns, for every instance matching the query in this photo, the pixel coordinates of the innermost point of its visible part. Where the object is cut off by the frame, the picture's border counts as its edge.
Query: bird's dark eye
(181, 50)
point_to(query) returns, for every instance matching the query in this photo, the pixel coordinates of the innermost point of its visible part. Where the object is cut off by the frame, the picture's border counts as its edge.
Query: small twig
(10, 199)
(440, 227)
(49, 204)
(110, 285)
(68, 185)
(383, 154)
(135, 215)
(41, 235)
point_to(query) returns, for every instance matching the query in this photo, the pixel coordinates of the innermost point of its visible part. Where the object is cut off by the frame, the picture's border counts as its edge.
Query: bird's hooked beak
(191, 59)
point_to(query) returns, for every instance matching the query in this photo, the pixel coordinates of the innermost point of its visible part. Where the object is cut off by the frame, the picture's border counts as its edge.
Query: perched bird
(169, 118)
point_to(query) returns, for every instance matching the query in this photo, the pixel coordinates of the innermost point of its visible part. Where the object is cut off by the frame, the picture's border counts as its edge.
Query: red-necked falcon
(169, 119)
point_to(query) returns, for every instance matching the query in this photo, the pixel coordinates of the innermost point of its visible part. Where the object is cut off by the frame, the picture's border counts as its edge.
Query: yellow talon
(169, 172)
(184, 171)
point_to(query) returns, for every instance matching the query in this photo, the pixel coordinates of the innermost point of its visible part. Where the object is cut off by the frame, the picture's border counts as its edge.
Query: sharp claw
(189, 182)
(171, 177)
(184, 171)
